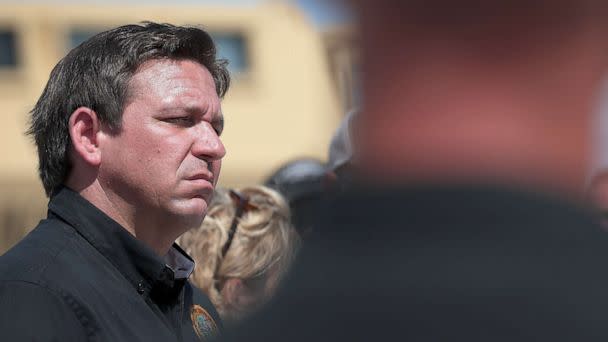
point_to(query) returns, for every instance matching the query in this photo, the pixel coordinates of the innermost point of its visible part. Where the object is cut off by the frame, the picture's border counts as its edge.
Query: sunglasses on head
(242, 205)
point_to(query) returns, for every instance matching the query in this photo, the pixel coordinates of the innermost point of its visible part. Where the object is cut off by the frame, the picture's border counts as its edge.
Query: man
(472, 145)
(127, 131)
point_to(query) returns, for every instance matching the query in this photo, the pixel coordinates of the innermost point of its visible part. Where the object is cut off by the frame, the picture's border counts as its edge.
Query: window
(8, 49)
(233, 47)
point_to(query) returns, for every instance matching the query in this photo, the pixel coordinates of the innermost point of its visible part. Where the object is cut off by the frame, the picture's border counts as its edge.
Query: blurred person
(597, 181)
(472, 148)
(304, 183)
(127, 130)
(242, 249)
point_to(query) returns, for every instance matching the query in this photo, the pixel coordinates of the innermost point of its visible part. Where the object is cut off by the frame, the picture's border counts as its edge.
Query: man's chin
(190, 212)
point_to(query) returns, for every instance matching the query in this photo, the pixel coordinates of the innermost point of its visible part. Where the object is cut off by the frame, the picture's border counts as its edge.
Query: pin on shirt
(203, 323)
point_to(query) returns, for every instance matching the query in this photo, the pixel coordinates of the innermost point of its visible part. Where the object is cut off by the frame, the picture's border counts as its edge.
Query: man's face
(164, 163)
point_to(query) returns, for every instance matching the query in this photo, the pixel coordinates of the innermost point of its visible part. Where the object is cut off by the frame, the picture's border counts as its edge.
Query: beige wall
(284, 107)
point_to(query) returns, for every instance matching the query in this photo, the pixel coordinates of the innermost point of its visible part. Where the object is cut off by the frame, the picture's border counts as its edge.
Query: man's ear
(83, 127)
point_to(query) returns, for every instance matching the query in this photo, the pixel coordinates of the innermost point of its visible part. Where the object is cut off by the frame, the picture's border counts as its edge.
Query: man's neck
(123, 213)
(471, 151)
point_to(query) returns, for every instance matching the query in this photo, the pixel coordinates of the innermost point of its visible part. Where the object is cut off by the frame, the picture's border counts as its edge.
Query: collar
(179, 262)
(151, 275)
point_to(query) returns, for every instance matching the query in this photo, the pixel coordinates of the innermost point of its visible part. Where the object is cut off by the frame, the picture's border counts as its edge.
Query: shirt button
(140, 288)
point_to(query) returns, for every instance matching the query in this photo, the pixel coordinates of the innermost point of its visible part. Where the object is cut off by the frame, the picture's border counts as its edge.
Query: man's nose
(207, 144)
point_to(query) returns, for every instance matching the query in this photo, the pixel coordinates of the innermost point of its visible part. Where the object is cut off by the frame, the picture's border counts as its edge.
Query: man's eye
(182, 121)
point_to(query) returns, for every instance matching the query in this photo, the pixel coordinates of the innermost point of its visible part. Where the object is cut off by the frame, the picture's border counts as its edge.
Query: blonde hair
(264, 239)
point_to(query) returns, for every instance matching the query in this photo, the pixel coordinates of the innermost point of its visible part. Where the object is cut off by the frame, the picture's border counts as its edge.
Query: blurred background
(293, 62)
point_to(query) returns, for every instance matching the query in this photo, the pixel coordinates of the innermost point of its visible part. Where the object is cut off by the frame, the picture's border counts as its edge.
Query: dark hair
(96, 74)
(497, 28)
(304, 183)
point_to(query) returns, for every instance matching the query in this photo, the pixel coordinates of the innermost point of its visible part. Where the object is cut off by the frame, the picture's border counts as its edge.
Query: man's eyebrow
(218, 119)
(193, 109)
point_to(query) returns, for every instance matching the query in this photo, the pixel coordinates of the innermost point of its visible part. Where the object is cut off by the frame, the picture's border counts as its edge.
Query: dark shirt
(80, 276)
(444, 264)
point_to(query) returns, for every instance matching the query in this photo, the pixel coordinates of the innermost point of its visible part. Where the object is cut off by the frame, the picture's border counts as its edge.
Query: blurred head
(470, 91)
(303, 182)
(97, 76)
(241, 273)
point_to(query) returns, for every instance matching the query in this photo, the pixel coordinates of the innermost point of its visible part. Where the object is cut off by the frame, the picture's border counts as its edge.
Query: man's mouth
(202, 176)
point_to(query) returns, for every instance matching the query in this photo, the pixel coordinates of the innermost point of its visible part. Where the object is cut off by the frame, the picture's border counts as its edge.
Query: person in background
(597, 194)
(467, 222)
(597, 182)
(341, 156)
(242, 250)
(128, 136)
(304, 184)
